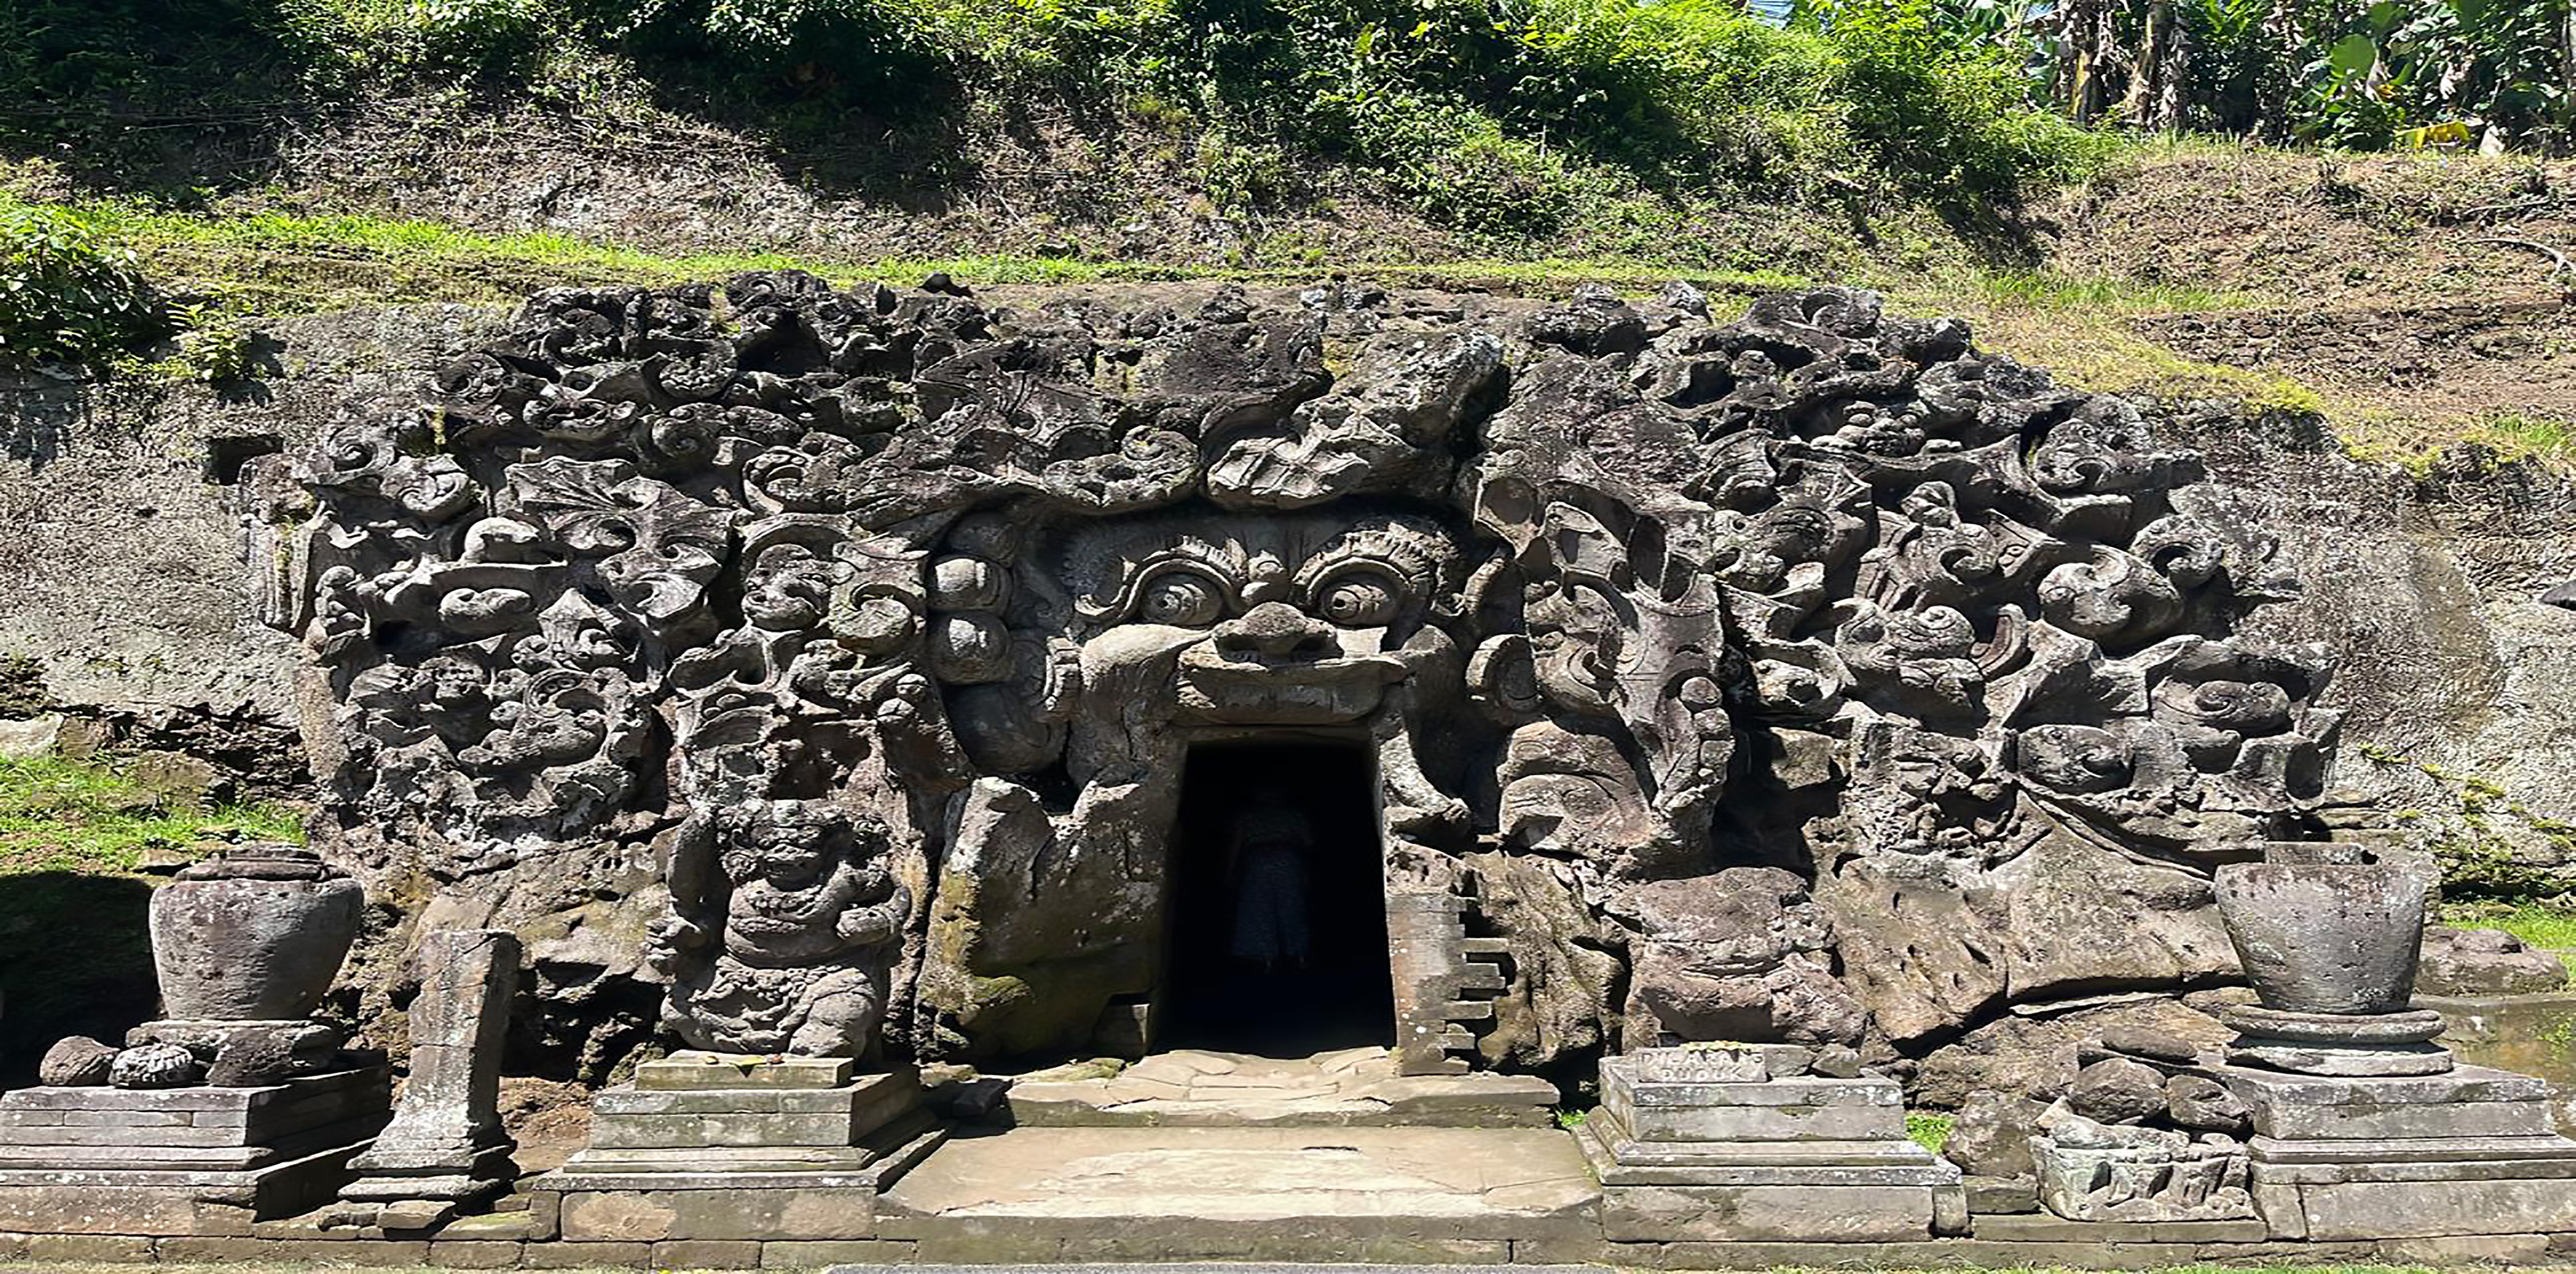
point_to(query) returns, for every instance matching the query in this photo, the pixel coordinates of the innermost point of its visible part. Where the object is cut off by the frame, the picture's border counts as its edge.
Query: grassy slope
(2080, 298)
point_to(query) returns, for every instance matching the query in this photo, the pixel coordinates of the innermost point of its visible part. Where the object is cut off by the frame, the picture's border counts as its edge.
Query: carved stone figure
(782, 913)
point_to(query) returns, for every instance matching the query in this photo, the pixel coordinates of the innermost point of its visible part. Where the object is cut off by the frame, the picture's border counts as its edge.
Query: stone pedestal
(2470, 1151)
(722, 1146)
(1715, 1147)
(180, 1161)
(446, 1147)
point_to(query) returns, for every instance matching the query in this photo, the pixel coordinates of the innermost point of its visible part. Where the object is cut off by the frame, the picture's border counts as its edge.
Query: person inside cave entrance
(1277, 919)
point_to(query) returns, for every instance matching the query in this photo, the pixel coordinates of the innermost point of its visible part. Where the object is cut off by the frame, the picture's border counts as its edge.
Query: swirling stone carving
(1813, 658)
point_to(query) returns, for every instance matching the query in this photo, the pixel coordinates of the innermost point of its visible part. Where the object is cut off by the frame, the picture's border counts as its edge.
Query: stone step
(1453, 1182)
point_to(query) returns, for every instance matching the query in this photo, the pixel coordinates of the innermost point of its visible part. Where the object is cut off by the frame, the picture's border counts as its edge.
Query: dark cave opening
(1276, 908)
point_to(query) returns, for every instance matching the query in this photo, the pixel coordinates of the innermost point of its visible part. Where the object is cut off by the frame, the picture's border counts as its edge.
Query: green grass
(2049, 290)
(2538, 924)
(273, 263)
(1928, 1131)
(267, 259)
(64, 815)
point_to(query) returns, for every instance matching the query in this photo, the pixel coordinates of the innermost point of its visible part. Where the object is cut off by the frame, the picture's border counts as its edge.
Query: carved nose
(1274, 630)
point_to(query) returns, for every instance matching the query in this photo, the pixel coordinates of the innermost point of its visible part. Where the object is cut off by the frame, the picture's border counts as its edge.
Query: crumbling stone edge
(972, 1245)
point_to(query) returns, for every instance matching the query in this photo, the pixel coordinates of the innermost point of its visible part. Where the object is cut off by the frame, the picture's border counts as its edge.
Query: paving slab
(1455, 1180)
(1346, 1088)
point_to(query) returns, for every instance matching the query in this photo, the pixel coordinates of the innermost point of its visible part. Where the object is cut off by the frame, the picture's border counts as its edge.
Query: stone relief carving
(1810, 676)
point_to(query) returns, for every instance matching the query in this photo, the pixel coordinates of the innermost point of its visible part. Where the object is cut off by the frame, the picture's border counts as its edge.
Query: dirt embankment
(2416, 293)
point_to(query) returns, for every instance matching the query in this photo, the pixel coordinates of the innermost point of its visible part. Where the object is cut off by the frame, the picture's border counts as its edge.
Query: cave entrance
(1276, 939)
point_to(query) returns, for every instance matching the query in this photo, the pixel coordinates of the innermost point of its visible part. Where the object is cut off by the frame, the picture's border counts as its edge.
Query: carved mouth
(1286, 691)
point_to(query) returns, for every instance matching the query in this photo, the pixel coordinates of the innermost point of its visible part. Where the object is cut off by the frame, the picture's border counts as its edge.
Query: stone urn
(253, 934)
(2319, 930)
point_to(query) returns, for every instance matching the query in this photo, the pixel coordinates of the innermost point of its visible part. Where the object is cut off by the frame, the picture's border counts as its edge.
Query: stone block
(622, 1216)
(2430, 1209)
(216, 1248)
(1803, 1091)
(692, 1069)
(511, 1226)
(683, 1132)
(575, 1256)
(119, 1248)
(366, 1252)
(545, 1214)
(165, 1202)
(97, 1118)
(474, 1254)
(2487, 1249)
(1835, 1213)
(867, 1092)
(809, 1254)
(707, 1254)
(1796, 1109)
(2001, 1196)
(2259, 1088)
(783, 1212)
(2382, 1120)
(974, 1245)
(1763, 1123)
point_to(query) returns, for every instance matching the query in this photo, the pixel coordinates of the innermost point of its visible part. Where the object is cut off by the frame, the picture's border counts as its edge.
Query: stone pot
(253, 934)
(2323, 936)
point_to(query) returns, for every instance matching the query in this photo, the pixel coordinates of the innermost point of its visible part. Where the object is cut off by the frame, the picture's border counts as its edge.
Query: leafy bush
(1942, 114)
(65, 297)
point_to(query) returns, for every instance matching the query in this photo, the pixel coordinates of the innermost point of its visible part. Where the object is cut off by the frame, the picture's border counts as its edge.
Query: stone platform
(181, 1161)
(1409, 1194)
(1487, 1197)
(707, 1147)
(1714, 1147)
(2469, 1151)
(1351, 1088)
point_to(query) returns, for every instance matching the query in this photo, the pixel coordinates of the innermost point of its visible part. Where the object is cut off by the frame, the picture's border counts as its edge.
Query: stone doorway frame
(1443, 980)
(1357, 740)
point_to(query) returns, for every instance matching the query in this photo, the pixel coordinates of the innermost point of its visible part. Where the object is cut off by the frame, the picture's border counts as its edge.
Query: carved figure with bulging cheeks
(1293, 621)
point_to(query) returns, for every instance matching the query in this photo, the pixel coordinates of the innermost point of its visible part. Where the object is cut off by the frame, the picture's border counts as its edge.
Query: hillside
(264, 158)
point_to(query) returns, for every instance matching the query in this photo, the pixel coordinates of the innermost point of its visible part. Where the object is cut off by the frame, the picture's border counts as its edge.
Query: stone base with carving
(724, 1146)
(2471, 1151)
(181, 1161)
(1695, 1145)
(2347, 1044)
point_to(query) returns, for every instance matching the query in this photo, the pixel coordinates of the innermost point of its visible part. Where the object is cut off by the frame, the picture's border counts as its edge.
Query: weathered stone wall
(2459, 681)
(126, 594)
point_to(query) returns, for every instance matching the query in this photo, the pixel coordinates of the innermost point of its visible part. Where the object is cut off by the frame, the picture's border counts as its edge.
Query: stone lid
(263, 860)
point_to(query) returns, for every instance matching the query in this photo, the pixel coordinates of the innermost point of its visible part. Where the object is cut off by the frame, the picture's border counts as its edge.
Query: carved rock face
(904, 611)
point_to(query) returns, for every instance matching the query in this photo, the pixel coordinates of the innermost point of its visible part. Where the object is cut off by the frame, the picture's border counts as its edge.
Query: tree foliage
(2363, 74)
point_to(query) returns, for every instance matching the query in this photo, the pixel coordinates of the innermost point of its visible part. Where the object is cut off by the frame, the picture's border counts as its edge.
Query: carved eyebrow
(1224, 575)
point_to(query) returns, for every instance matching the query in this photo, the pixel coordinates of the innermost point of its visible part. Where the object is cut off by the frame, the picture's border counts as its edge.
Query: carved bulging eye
(1359, 599)
(1181, 598)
